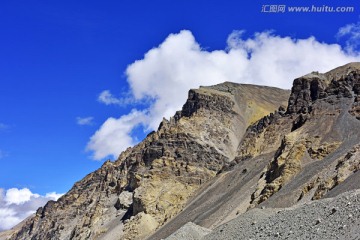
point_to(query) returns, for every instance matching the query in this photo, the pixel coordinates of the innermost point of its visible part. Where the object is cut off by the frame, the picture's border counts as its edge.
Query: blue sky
(68, 70)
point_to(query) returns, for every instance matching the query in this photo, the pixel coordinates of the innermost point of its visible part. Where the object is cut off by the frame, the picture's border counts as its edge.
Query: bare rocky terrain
(332, 218)
(189, 231)
(150, 183)
(231, 151)
(307, 152)
(329, 218)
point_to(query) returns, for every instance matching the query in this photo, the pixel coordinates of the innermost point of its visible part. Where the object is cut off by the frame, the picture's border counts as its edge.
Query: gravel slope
(189, 231)
(332, 218)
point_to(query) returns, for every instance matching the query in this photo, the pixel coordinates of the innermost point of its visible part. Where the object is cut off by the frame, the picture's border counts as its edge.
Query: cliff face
(305, 152)
(151, 182)
(319, 147)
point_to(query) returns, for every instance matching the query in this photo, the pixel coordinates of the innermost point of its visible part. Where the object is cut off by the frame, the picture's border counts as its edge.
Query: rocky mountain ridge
(232, 148)
(295, 155)
(151, 182)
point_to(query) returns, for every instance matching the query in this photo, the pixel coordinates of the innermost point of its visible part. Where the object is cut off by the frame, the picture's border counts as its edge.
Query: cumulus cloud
(167, 72)
(115, 134)
(84, 121)
(18, 196)
(18, 204)
(352, 34)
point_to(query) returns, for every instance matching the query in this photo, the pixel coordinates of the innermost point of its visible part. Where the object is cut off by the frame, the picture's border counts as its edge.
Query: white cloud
(84, 121)
(352, 34)
(8, 218)
(168, 71)
(108, 98)
(115, 134)
(18, 196)
(18, 204)
(53, 195)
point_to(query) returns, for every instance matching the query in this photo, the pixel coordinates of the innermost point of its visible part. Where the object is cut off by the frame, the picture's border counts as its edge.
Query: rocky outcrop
(151, 183)
(312, 96)
(337, 172)
(305, 90)
(295, 155)
(139, 226)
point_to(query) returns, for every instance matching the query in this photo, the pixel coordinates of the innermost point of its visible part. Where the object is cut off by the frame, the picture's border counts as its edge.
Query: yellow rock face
(284, 166)
(321, 151)
(139, 227)
(296, 150)
(345, 167)
(161, 194)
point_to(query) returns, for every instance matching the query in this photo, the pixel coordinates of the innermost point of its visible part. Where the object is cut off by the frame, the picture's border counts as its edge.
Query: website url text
(308, 9)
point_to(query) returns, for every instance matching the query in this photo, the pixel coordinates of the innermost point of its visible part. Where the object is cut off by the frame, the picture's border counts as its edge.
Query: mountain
(309, 152)
(232, 148)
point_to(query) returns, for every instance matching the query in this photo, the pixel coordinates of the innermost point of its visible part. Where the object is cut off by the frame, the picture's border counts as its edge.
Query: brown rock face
(304, 153)
(318, 128)
(152, 182)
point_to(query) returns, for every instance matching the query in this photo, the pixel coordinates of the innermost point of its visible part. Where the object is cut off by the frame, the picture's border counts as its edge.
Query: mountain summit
(232, 149)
